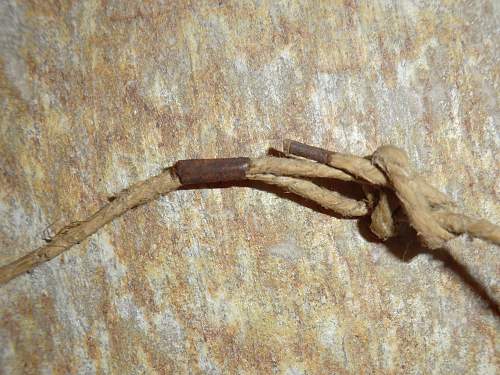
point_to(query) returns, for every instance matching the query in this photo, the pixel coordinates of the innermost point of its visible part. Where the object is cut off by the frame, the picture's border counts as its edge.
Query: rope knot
(391, 159)
(411, 191)
(403, 195)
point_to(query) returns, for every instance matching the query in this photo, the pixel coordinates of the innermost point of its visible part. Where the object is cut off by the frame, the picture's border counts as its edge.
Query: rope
(394, 192)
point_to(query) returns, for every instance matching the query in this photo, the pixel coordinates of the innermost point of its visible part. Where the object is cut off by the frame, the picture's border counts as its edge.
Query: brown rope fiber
(394, 192)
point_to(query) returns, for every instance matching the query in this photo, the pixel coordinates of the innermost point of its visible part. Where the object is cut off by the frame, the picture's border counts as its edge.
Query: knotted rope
(394, 193)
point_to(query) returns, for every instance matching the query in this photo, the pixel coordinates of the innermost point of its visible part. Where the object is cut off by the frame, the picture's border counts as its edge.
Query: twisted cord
(393, 192)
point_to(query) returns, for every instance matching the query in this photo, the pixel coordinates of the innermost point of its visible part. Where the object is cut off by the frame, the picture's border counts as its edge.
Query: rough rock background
(96, 95)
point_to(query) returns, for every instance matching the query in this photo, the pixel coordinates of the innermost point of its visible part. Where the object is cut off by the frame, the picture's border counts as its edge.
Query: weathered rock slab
(96, 95)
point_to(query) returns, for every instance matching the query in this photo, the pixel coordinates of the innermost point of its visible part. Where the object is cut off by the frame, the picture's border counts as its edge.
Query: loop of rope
(389, 182)
(396, 166)
(394, 192)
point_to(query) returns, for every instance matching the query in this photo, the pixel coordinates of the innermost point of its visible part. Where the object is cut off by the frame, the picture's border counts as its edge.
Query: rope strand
(388, 181)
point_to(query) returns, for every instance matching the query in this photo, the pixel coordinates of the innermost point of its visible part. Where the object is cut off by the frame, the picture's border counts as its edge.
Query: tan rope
(73, 234)
(295, 167)
(328, 199)
(388, 180)
(365, 170)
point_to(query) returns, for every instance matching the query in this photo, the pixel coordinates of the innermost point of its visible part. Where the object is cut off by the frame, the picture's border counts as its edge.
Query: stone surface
(96, 95)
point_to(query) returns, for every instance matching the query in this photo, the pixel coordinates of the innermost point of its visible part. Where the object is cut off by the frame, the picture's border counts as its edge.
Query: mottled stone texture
(96, 95)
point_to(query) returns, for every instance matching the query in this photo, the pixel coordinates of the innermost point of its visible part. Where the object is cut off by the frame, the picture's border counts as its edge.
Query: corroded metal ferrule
(202, 171)
(306, 151)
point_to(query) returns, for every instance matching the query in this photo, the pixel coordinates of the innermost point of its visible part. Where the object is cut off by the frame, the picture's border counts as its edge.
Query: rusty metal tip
(203, 171)
(308, 152)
